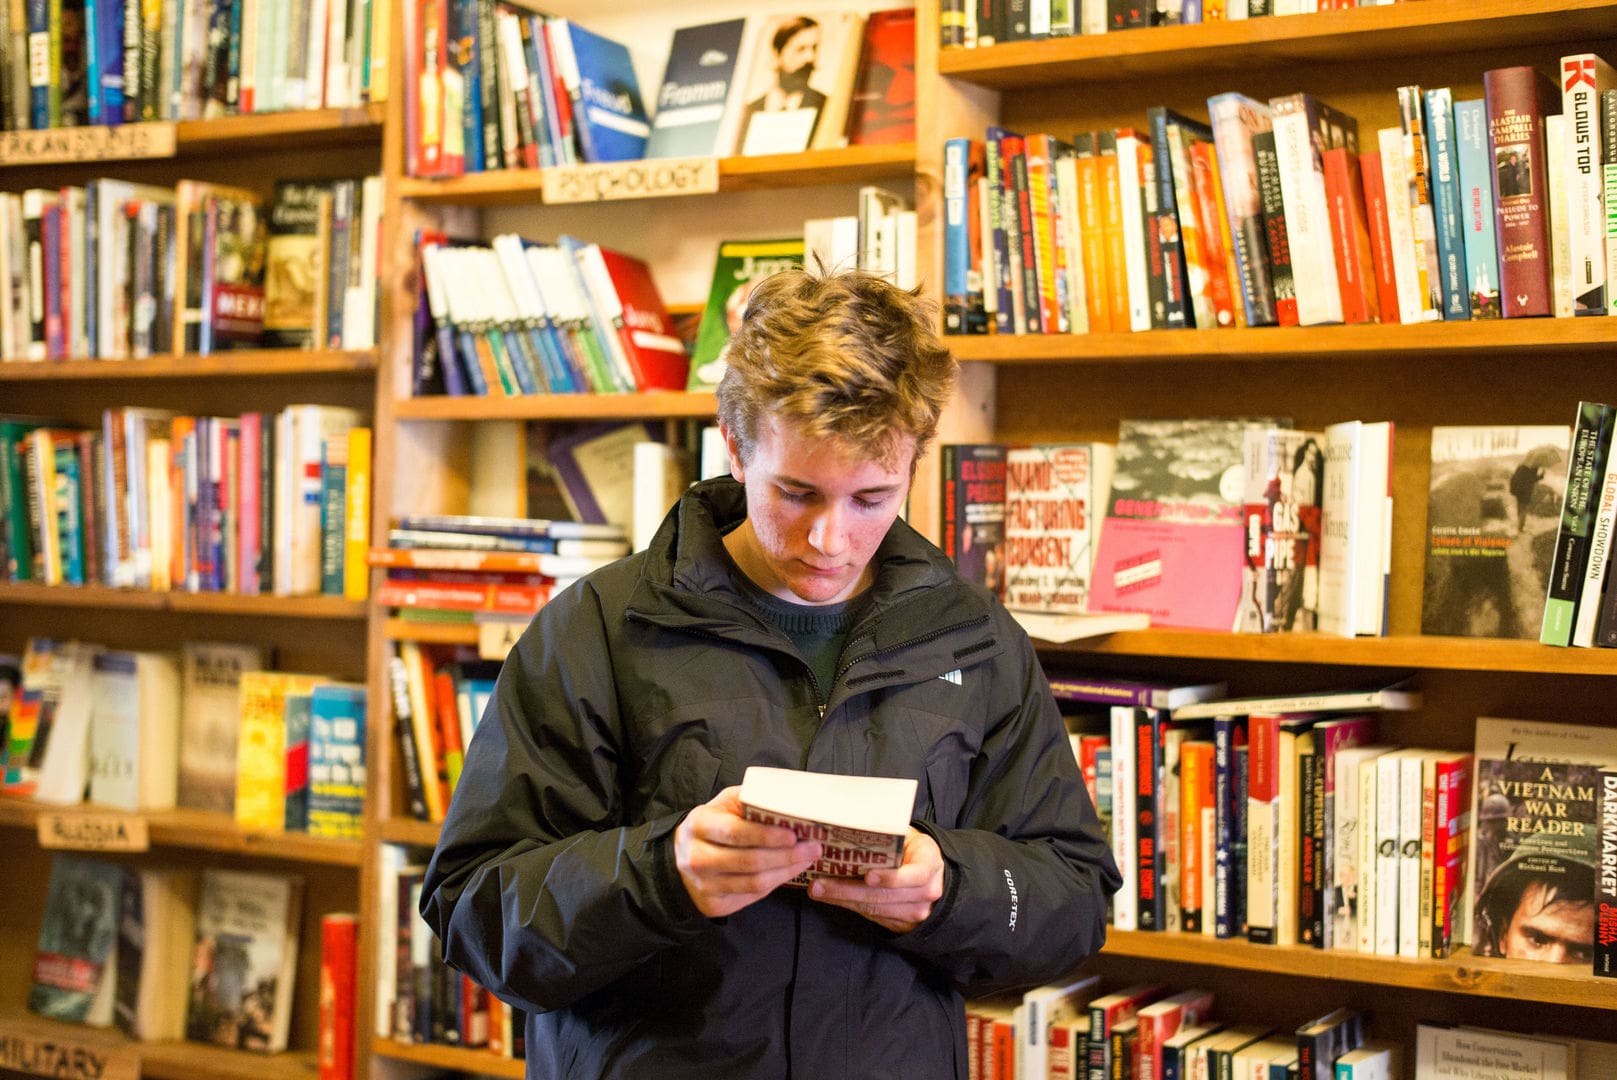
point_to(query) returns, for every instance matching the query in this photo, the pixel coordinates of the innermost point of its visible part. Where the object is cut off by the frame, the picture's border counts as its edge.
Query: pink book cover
(251, 503)
(1172, 541)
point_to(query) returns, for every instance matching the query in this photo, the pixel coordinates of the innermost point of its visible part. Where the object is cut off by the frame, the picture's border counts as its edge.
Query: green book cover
(740, 266)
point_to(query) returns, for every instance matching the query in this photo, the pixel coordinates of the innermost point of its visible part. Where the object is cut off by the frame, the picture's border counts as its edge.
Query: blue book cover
(696, 91)
(1445, 175)
(465, 53)
(1477, 207)
(611, 117)
(336, 760)
(956, 241)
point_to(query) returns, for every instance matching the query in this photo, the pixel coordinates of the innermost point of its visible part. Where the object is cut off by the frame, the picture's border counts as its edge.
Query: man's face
(1558, 930)
(801, 48)
(816, 512)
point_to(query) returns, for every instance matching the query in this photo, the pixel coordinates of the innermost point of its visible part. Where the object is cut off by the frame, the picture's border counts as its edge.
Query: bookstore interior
(337, 336)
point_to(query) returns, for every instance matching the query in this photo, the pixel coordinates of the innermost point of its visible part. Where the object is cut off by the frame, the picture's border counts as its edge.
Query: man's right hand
(728, 862)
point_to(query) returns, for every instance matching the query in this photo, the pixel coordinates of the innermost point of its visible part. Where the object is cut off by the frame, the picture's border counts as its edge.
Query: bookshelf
(1077, 388)
(321, 634)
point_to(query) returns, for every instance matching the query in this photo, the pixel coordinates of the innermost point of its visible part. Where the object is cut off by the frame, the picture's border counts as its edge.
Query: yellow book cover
(261, 747)
(357, 532)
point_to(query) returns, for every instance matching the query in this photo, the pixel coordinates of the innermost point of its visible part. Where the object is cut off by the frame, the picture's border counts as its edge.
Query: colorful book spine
(1605, 943)
(1518, 99)
(1584, 78)
(1446, 206)
(1586, 466)
(1476, 208)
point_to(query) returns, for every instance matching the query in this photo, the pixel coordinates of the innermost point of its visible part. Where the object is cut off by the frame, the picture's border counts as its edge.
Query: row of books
(420, 999)
(264, 503)
(167, 953)
(207, 729)
(1285, 821)
(495, 86)
(972, 24)
(118, 270)
(1275, 213)
(112, 62)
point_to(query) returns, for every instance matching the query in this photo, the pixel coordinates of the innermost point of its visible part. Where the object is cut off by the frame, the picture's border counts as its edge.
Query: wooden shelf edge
(1461, 973)
(430, 633)
(250, 362)
(401, 830)
(652, 404)
(1412, 651)
(298, 607)
(1326, 344)
(297, 124)
(199, 830)
(1340, 36)
(849, 165)
(450, 1057)
(164, 1060)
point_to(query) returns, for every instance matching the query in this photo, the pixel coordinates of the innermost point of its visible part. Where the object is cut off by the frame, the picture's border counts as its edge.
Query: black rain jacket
(649, 687)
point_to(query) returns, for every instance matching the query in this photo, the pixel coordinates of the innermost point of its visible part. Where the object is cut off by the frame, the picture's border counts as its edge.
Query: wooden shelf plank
(1461, 973)
(199, 830)
(299, 607)
(248, 362)
(655, 403)
(1417, 651)
(1495, 337)
(813, 168)
(430, 633)
(1331, 37)
(167, 1060)
(300, 128)
(410, 831)
(450, 1057)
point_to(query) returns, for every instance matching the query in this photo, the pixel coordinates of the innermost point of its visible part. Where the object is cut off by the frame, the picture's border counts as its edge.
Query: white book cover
(1460, 1051)
(1055, 497)
(1131, 177)
(1302, 195)
(1400, 224)
(64, 767)
(210, 717)
(1368, 852)
(1584, 77)
(1347, 895)
(1411, 788)
(1069, 226)
(1043, 1008)
(862, 821)
(1389, 790)
(1600, 547)
(1125, 902)
(661, 475)
(1560, 217)
(134, 730)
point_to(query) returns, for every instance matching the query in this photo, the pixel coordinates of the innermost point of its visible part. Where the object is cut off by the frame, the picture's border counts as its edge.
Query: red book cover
(1453, 834)
(1106, 1013)
(1014, 151)
(652, 344)
(1375, 219)
(440, 596)
(339, 951)
(1160, 1020)
(882, 110)
(1350, 236)
(1204, 180)
(1517, 100)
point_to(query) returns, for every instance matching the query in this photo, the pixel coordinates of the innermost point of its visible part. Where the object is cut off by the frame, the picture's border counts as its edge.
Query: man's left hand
(899, 899)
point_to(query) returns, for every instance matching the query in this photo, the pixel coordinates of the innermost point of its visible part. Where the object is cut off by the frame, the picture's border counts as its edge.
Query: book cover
(740, 265)
(1477, 208)
(1459, 1050)
(973, 477)
(1442, 143)
(700, 96)
(594, 466)
(76, 937)
(156, 932)
(1584, 78)
(861, 820)
(1518, 99)
(134, 729)
(1304, 128)
(1399, 697)
(339, 956)
(245, 959)
(294, 263)
(882, 108)
(211, 706)
(798, 81)
(1350, 236)
(1492, 511)
(1172, 539)
(1053, 493)
(1123, 690)
(1585, 474)
(611, 117)
(261, 747)
(1236, 118)
(1605, 945)
(1284, 472)
(654, 350)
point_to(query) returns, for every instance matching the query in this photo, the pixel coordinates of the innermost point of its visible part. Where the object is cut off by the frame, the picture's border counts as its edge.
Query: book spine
(1274, 228)
(1591, 595)
(1585, 471)
(1453, 827)
(998, 258)
(1426, 902)
(1026, 244)
(1408, 873)
(1417, 162)
(1476, 208)
(1262, 834)
(1605, 941)
(1445, 183)
(1387, 787)
(1148, 815)
(1608, 168)
(1516, 100)
(1130, 176)
(1382, 262)
(1350, 237)
(1125, 903)
(1583, 78)
(1302, 192)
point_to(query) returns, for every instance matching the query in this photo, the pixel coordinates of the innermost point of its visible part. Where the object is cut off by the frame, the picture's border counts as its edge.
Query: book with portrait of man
(799, 81)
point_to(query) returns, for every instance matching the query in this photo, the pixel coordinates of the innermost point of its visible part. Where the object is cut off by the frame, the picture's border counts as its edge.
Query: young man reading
(595, 868)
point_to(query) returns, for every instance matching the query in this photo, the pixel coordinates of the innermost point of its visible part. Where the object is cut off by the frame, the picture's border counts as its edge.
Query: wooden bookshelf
(101, 596)
(1327, 37)
(403, 830)
(655, 404)
(852, 165)
(226, 365)
(450, 1057)
(430, 633)
(161, 1060)
(200, 830)
(1526, 981)
(296, 129)
(1531, 339)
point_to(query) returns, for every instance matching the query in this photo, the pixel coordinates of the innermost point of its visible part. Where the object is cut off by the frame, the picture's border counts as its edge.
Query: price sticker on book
(25, 1051)
(611, 180)
(126, 142)
(79, 831)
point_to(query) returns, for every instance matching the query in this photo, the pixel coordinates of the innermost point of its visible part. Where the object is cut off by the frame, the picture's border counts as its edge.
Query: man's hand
(728, 862)
(899, 899)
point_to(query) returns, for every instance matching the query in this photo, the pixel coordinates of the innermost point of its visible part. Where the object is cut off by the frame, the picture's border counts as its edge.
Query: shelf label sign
(79, 831)
(27, 1054)
(56, 145)
(630, 179)
(496, 637)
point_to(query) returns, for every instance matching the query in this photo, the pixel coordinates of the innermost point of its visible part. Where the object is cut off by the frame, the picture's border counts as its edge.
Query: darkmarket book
(861, 820)
(1606, 879)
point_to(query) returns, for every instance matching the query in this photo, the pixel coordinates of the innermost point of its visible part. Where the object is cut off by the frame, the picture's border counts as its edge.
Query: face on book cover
(816, 512)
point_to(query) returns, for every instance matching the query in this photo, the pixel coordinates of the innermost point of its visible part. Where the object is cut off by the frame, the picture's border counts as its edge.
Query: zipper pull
(822, 712)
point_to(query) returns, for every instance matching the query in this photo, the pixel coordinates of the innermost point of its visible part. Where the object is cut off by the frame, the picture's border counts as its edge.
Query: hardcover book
(1518, 99)
(740, 265)
(76, 938)
(1172, 540)
(861, 820)
(1052, 495)
(245, 959)
(1491, 517)
(882, 109)
(156, 932)
(699, 102)
(611, 118)
(1605, 947)
(1476, 207)
(799, 80)
(294, 263)
(974, 511)
(1284, 482)
(1585, 477)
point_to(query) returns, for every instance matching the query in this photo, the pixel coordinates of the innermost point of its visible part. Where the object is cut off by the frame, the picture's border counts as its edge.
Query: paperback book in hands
(860, 820)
